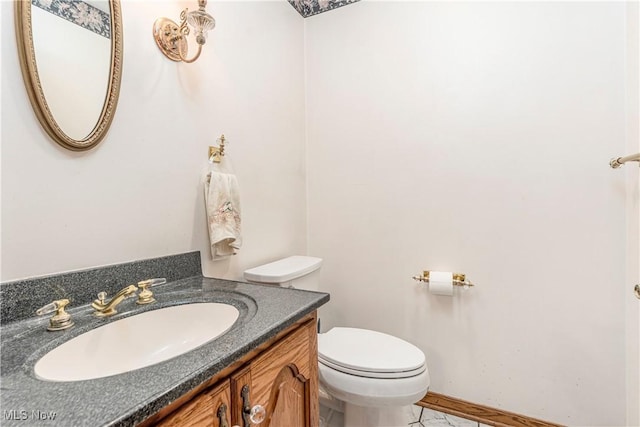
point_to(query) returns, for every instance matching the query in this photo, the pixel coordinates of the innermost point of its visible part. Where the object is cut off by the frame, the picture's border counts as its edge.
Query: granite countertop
(129, 398)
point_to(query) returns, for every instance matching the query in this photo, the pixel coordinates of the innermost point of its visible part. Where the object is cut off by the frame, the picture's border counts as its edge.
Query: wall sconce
(172, 39)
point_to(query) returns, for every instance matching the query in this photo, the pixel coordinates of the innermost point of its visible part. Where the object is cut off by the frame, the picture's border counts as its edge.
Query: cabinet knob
(257, 414)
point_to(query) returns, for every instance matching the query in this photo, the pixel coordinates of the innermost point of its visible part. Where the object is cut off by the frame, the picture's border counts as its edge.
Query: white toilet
(376, 375)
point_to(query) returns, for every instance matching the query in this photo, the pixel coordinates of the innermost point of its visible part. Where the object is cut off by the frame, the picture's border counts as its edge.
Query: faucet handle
(146, 296)
(153, 282)
(59, 321)
(102, 296)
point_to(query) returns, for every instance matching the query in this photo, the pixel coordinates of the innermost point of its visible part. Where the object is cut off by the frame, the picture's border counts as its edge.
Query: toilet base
(386, 416)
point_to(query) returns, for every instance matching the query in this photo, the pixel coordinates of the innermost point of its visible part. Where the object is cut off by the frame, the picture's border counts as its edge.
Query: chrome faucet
(108, 308)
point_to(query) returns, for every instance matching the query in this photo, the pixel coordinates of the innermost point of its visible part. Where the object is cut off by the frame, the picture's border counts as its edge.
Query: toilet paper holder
(459, 279)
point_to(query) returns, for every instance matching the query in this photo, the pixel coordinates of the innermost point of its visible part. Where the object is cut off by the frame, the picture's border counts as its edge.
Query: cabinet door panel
(293, 349)
(288, 404)
(280, 380)
(202, 410)
(197, 413)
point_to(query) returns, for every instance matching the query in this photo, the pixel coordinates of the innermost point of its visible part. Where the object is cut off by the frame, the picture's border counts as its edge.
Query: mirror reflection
(72, 45)
(72, 56)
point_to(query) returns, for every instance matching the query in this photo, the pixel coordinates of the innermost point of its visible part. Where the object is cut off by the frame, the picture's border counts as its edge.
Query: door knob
(636, 290)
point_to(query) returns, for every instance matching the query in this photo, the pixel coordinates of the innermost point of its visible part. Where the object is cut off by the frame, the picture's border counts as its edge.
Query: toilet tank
(300, 272)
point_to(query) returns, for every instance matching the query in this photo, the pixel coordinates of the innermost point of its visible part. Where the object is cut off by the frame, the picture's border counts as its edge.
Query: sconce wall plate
(166, 33)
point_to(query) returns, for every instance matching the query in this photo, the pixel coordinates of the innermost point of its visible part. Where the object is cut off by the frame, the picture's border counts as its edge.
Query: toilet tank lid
(283, 270)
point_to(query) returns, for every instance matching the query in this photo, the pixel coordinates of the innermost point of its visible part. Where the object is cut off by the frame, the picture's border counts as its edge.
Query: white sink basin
(137, 341)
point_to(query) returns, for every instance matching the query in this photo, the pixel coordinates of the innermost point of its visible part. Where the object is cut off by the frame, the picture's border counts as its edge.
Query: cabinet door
(221, 402)
(196, 413)
(289, 399)
(284, 381)
(241, 392)
(208, 409)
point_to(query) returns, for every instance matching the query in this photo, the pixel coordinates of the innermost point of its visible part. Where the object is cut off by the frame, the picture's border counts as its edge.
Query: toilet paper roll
(441, 283)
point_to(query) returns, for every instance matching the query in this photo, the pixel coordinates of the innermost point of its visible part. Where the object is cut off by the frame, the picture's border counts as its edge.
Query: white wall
(475, 137)
(633, 214)
(138, 194)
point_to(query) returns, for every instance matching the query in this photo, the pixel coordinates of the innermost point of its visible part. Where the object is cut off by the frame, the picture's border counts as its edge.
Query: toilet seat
(373, 392)
(369, 354)
(374, 375)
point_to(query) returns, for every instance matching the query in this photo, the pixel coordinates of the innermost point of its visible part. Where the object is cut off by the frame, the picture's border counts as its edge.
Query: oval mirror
(71, 59)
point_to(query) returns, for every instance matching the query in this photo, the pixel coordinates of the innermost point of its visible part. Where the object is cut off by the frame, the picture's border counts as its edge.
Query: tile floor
(425, 417)
(422, 417)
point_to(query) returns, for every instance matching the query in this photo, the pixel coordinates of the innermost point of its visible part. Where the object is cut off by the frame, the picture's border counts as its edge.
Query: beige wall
(475, 137)
(138, 194)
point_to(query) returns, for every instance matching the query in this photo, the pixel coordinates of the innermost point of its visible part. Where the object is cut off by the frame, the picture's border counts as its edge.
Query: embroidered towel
(222, 201)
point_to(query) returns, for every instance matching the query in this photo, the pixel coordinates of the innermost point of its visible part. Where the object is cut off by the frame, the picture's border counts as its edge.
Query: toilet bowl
(376, 375)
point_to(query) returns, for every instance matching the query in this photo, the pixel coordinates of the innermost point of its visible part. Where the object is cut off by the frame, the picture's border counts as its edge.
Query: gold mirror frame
(24, 37)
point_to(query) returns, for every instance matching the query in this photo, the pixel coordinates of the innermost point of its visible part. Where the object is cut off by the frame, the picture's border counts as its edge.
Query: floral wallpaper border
(308, 8)
(80, 13)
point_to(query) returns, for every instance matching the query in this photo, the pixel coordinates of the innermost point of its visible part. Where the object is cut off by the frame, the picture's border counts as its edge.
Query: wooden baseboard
(480, 413)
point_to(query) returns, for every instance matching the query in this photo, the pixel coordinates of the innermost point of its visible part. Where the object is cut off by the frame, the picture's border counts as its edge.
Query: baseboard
(480, 413)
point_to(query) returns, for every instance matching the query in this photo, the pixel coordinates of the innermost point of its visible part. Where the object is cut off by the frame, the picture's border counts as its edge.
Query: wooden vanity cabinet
(210, 408)
(279, 381)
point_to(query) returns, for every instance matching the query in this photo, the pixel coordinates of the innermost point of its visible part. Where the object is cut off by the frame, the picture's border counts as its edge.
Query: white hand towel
(222, 201)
